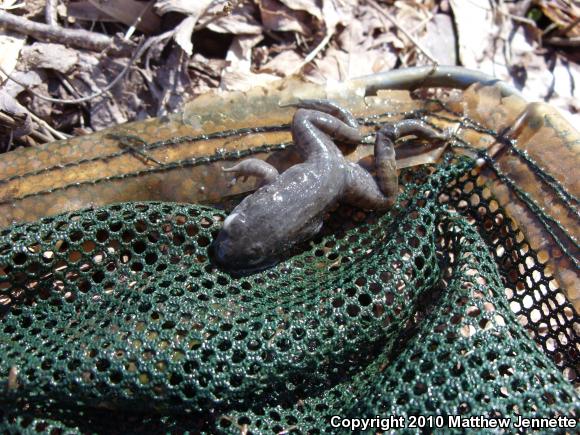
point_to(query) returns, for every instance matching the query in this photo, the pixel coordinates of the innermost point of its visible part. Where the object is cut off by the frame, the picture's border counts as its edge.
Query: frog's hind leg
(385, 163)
(362, 190)
(313, 132)
(327, 106)
(254, 167)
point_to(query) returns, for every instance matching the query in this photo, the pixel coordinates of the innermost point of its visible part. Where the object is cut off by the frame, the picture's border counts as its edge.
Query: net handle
(431, 76)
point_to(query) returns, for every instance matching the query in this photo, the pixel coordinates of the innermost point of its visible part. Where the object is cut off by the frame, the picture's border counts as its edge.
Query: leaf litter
(79, 66)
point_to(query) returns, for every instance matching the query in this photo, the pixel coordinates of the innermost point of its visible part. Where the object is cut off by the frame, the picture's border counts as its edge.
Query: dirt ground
(71, 67)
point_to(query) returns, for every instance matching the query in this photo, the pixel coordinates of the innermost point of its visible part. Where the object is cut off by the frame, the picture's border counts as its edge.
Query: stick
(50, 14)
(314, 52)
(74, 37)
(46, 125)
(425, 52)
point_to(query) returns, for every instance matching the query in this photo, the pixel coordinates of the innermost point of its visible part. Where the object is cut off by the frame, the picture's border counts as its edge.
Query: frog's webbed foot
(326, 106)
(254, 167)
(361, 189)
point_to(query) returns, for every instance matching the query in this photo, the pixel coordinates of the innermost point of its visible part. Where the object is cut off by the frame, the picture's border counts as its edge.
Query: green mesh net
(116, 321)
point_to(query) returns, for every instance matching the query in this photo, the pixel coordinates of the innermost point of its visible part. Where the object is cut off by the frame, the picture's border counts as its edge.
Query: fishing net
(115, 319)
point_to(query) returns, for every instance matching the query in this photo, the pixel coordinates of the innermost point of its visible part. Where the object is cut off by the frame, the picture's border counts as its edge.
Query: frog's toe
(256, 168)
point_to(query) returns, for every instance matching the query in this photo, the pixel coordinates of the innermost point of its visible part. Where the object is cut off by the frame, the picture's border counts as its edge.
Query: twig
(133, 27)
(519, 19)
(46, 125)
(423, 23)
(75, 37)
(40, 136)
(563, 42)
(137, 54)
(67, 85)
(416, 43)
(154, 40)
(50, 12)
(313, 53)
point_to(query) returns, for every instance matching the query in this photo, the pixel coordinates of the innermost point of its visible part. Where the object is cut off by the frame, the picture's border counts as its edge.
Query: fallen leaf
(305, 5)
(240, 22)
(282, 63)
(183, 34)
(49, 56)
(30, 79)
(475, 27)
(280, 18)
(11, 4)
(131, 12)
(238, 74)
(10, 46)
(439, 39)
(564, 13)
(22, 123)
(186, 7)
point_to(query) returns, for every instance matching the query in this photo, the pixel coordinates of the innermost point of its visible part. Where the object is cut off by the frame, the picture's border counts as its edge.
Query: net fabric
(118, 322)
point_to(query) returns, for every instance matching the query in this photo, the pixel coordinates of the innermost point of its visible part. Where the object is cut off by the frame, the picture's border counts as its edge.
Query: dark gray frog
(289, 207)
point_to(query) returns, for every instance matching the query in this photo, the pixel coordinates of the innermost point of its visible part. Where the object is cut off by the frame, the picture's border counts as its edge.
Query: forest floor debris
(77, 66)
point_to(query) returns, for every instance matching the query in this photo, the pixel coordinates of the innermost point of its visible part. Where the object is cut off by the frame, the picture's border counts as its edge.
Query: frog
(289, 207)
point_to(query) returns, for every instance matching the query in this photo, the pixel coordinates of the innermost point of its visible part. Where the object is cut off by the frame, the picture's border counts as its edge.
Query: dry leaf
(85, 11)
(475, 28)
(439, 39)
(7, 5)
(186, 7)
(238, 74)
(50, 56)
(240, 22)
(183, 34)
(22, 124)
(30, 79)
(10, 46)
(131, 12)
(304, 5)
(564, 13)
(283, 63)
(280, 18)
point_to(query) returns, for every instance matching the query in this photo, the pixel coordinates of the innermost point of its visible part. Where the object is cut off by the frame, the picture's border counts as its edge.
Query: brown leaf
(240, 22)
(283, 63)
(186, 7)
(18, 116)
(238, 74)
(50, 56)
(304, 5)
(439, 39)
(10, 46)
(280, 18)
(564, 13)
(183, 34)
(130, 12)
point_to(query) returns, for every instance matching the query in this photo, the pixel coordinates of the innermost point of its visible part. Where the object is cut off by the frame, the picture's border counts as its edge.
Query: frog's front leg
(254, 167)
(361, 189)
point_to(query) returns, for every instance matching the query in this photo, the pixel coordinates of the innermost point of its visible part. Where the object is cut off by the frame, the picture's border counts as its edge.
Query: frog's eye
(234, 223)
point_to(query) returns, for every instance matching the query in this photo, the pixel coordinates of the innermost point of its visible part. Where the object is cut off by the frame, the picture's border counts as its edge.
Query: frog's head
(240, 247)
(248, 244)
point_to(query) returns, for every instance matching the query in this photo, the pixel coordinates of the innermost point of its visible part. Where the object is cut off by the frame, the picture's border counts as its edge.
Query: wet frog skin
(289, 207)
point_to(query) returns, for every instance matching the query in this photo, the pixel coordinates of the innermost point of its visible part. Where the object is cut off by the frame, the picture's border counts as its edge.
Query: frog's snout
(236, 256)
(218, 251)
